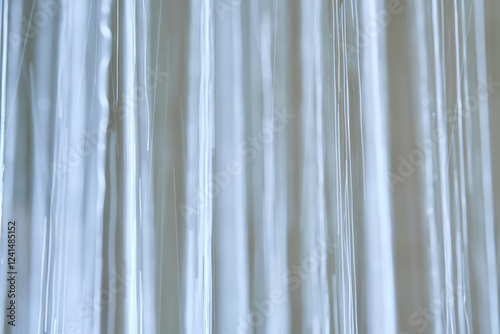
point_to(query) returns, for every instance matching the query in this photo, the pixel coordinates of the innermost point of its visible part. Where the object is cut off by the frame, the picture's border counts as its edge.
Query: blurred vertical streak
(127, 160)
(492, 29)
(231, 270)
(200, 145)
(421, 74)
(316, 307)
(104, 54)
(380, 283)
(487, 292)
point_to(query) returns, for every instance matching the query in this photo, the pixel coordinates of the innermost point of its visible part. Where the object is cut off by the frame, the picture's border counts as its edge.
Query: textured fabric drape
(250, 166)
